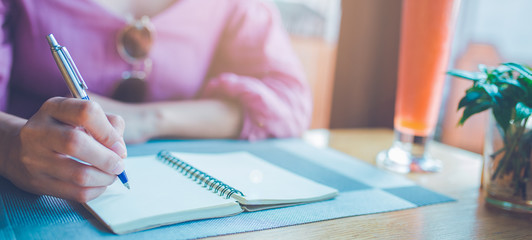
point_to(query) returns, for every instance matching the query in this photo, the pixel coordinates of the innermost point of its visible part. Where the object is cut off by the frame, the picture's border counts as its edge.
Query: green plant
(507, 91)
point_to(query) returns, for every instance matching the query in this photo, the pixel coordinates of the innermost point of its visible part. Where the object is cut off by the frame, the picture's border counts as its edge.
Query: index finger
(91, 117)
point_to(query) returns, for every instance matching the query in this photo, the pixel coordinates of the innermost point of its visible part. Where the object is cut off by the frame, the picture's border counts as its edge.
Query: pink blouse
(203, 49)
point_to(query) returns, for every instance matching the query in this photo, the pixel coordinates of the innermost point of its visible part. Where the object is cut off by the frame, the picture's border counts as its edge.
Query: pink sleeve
(256, 66)
(5, 55)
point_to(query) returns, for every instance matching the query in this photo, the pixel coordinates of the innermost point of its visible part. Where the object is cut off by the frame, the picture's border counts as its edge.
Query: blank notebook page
(157, 193)
(260, 181)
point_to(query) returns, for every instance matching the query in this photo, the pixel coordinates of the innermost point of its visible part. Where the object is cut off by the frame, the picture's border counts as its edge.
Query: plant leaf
(527, 86)
(472, 95)
(483, 69)
(503, 112)
(473, 109)
(501, 69)
(512, 82)
(492, 90)
(475, 76)
(512, 89)
(522, 111)
(520, 69)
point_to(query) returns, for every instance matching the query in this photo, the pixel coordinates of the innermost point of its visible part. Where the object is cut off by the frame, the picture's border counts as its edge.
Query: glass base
(510, 206)
(408, 154)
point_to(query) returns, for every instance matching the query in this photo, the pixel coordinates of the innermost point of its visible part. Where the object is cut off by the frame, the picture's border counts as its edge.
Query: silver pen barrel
(68, 69)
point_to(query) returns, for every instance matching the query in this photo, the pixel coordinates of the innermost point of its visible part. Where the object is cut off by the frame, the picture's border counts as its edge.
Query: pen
(73, 79)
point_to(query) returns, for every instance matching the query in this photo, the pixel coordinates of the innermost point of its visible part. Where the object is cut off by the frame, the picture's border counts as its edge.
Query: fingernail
(120, 149)
(120, 166)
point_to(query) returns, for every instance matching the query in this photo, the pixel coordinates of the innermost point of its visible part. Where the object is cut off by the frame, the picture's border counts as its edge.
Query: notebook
(174, 187)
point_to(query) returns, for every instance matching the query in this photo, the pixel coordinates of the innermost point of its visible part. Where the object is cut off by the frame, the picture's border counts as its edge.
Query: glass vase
(507, 171)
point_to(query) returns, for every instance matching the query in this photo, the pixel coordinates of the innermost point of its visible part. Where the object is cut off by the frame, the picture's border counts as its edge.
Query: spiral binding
(198, 176)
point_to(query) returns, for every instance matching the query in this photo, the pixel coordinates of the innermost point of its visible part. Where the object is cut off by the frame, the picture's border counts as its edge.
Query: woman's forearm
(205, 118)
(208, 118)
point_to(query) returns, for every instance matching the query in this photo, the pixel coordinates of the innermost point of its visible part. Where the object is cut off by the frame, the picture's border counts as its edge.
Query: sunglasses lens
(136, 42)
(130, 90)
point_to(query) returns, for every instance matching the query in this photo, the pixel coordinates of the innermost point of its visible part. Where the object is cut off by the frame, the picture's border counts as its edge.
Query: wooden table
(467, 218)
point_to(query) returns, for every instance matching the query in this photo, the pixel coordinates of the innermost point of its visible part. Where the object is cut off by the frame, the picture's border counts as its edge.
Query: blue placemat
(363, 188)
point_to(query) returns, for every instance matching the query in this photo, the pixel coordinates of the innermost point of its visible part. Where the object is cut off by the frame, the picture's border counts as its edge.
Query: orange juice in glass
(426, 30)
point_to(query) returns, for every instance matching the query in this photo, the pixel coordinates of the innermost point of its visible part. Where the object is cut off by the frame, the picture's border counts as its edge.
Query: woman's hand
(38, 161)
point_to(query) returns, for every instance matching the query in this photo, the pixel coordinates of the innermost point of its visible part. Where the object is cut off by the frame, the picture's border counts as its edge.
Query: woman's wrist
(142, 121)
(150, 121)
(9, 140)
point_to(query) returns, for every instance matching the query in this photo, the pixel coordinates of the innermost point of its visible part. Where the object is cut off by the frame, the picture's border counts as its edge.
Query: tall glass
(426, 30)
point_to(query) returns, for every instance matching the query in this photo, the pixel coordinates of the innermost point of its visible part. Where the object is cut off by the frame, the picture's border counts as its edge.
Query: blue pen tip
(123, 178)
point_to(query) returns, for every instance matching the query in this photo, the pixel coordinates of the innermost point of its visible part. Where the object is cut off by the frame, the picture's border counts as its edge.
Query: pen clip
(72, 66)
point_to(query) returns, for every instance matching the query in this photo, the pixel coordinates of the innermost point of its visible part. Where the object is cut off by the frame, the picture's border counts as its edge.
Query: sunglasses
(133, 44)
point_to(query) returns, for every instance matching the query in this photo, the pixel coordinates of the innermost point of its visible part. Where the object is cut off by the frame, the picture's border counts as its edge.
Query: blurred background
(350, 53)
